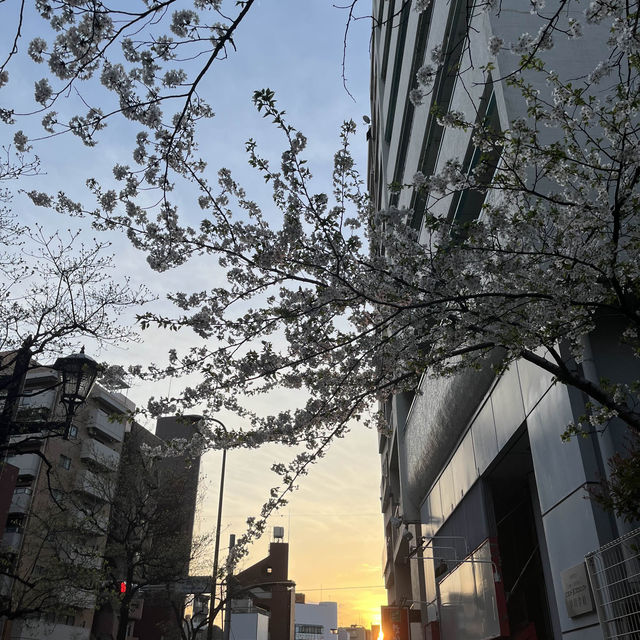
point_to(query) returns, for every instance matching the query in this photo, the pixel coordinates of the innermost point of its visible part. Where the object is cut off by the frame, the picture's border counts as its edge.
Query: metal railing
(614, 572)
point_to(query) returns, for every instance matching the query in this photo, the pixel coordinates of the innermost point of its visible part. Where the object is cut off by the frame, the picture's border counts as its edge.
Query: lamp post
(216, 551)
(78, 373)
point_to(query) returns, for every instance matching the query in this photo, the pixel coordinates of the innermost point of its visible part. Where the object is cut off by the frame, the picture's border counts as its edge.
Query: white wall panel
(485, 442)
(558, 465)
(508, 409)
(570, 533)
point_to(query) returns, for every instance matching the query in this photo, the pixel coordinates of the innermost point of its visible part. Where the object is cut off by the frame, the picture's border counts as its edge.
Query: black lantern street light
(79, 372)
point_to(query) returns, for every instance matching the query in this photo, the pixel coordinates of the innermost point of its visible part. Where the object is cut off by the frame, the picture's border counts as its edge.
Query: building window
(387, 39)
(397, 70)
(308, 631)
(73, 432)
(466, 205)
(453, 46)
(407, 119)
(15, 523)
(65, 462)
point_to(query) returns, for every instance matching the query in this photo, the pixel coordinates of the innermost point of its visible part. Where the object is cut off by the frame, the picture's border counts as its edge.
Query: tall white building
(486, 512)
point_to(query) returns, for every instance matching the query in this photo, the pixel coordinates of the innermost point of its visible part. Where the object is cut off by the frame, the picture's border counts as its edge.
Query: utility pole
(227, 614)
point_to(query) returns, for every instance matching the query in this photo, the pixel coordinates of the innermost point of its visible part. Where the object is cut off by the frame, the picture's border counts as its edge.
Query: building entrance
(514, 499)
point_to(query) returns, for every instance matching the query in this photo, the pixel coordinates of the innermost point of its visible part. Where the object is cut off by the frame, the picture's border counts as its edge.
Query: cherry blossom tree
(55, 292)
(343, 304)
(144, 56)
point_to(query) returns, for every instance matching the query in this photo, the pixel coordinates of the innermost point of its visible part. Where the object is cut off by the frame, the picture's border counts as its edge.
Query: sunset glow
(333, 523)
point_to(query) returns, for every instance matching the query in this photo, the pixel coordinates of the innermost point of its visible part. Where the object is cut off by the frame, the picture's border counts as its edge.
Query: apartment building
(62, 558)
(487, 516)
(57, 522)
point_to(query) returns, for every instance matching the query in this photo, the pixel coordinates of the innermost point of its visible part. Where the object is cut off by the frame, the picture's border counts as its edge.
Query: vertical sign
(395, 623)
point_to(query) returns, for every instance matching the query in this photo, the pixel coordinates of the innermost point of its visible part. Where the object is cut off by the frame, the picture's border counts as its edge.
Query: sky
(295, 47)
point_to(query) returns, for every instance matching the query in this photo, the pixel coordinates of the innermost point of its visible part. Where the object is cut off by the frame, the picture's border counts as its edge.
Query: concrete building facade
(315, 621)
(486, 513)
(249, 622)
(354, 632)
(162, 533)
(270, 590)
(55, 551)
(62, 495)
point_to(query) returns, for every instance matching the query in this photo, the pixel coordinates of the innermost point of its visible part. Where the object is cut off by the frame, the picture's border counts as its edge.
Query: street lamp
(79, 372)
(216, 552)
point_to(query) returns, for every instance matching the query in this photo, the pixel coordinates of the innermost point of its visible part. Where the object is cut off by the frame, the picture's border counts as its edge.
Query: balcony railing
(20, 501)
(385, 493)
(99, 454)
(27, 463)
(94, 485)
(12, 538)
(38, 628)
(113, 430)
(91, 524)
(6, 582)
(28, 413)
(88, 558)
(79, 598)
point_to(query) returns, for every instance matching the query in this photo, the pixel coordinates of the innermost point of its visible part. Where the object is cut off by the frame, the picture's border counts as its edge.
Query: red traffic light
(123, 587)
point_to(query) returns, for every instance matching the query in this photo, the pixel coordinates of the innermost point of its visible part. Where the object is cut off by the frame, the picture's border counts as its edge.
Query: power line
(368, 586)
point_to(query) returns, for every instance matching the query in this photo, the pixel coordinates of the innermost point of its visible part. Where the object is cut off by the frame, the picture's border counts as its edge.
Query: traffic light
(123, 587)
